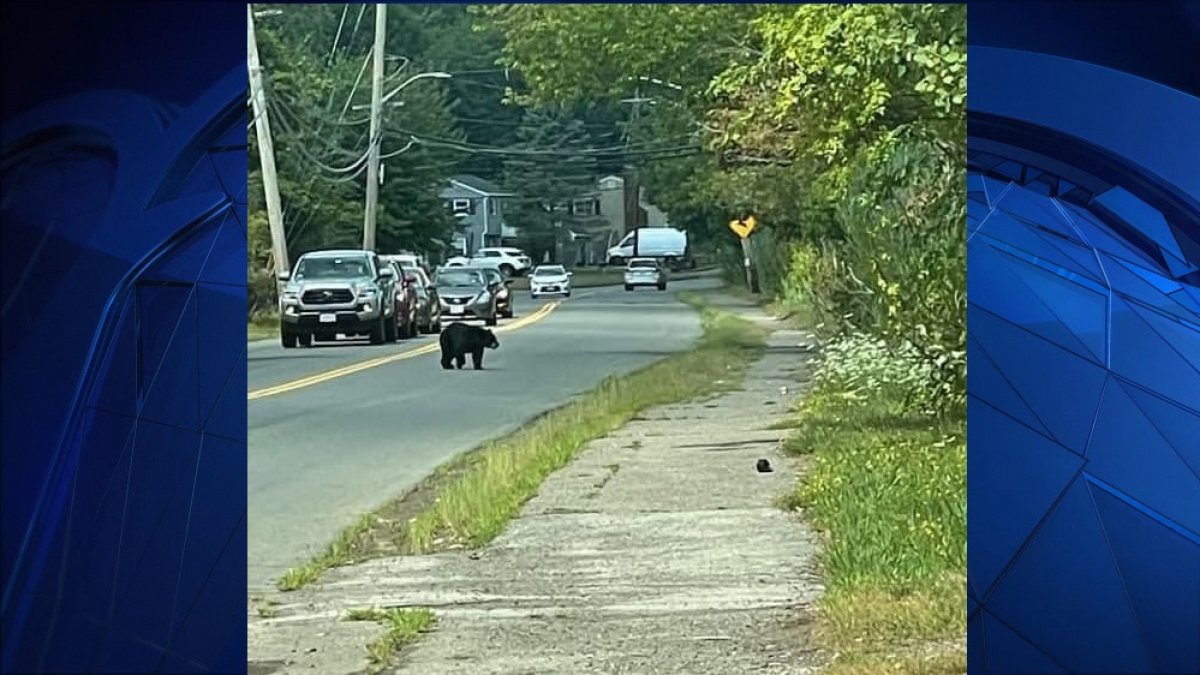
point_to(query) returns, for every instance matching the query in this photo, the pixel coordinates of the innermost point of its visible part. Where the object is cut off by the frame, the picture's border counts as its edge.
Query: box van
(665, 243)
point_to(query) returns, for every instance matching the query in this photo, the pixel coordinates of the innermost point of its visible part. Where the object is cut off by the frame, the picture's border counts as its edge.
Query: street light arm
(401, 151)
(420, 76)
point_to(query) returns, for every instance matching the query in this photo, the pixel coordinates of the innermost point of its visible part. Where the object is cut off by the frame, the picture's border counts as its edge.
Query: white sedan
(549, 280)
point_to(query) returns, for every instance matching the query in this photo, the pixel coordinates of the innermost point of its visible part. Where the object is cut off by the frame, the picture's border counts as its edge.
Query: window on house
(584, 208)
(462, 207)
(491, 207)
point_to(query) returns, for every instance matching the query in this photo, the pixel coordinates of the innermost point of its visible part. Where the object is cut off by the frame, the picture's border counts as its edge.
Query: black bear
(459, 339)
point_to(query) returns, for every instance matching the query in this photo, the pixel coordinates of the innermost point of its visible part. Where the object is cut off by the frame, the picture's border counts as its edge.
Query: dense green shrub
(897, 269)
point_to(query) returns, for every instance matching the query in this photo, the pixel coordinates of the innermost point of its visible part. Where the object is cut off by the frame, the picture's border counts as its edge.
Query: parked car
(406, 302)
(457, 261)
(408, 260)
(499, 285)
(466, 293)
(330, 292)
(645, 272)
(429, 310)
(549, 280)
(429, 306)
(511, 262)
(663, 243)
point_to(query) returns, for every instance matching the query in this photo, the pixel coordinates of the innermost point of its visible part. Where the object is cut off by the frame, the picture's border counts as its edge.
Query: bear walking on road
(459, 339)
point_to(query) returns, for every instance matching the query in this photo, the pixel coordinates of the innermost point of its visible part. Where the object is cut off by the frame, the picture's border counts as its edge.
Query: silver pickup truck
(346, 292)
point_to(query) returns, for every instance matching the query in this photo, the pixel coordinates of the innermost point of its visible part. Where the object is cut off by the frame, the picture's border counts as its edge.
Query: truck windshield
(331, 268)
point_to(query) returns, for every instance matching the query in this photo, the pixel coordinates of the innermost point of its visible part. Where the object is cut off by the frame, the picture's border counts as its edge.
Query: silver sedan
(645, 272)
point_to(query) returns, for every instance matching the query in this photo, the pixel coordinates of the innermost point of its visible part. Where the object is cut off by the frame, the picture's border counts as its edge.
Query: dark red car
(407, 303)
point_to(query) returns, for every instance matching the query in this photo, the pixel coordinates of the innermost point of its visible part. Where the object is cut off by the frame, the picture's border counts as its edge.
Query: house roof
(484, 187)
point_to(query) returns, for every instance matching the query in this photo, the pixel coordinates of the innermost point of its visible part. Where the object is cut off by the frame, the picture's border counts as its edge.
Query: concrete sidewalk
(658, 550)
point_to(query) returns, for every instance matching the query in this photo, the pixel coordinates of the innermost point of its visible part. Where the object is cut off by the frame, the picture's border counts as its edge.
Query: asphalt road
(336, 446)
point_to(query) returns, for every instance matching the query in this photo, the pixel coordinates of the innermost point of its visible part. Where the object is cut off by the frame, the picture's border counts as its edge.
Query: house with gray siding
(478, 204)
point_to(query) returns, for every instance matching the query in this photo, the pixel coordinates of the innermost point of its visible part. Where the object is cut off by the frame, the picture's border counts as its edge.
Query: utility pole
(376, 118)
(633, 186)
(751, 268)
(266, 151)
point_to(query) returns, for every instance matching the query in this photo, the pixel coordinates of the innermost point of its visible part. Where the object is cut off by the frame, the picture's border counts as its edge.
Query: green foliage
(826, 80)
(571, 53)
(906, 245)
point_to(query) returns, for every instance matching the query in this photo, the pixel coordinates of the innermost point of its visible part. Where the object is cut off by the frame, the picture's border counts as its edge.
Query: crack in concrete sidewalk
(658, 550)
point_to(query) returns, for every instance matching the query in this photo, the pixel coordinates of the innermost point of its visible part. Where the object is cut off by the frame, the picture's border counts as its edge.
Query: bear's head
(492, 342)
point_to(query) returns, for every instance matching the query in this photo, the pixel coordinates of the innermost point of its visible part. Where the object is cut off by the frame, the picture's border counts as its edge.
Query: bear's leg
(460, 361)
(446, 362)
(477, 358)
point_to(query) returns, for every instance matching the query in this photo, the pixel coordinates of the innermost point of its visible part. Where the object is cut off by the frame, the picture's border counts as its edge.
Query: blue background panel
(124, 292)
(1084, 339)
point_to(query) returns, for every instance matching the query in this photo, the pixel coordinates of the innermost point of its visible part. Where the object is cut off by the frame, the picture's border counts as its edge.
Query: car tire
(567, 294)
(616, 261)
(436, 327)
(628, 287)
(507, 270)
(287, 337)
(305, 339)
(491, 320)
(662, 287)
(378, 332)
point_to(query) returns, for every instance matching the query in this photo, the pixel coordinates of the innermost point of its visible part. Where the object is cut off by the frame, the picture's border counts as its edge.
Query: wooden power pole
(266, 151)
(376, 119)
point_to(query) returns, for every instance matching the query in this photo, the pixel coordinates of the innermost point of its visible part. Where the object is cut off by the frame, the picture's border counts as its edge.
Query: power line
(549, 152)
(361, 10)
(357, 80)
(337, 36)
(300, 147)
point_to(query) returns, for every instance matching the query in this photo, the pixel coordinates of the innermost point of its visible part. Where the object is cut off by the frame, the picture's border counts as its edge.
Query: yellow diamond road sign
(743, 227)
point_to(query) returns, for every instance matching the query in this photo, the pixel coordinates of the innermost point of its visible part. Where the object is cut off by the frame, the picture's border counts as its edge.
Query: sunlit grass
(888, 487)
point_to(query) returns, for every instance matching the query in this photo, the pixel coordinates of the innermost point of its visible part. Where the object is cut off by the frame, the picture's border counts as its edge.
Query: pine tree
(552, 163)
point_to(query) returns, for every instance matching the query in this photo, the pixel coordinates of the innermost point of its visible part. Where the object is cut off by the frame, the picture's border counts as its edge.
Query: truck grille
(329, 297)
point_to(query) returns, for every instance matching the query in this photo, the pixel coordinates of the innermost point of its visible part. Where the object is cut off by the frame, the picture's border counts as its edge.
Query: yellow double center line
(311, 380)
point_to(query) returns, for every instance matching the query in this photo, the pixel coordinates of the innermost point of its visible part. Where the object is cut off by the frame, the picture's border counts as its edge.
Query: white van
(665, 243)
